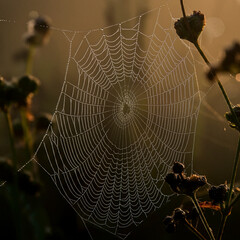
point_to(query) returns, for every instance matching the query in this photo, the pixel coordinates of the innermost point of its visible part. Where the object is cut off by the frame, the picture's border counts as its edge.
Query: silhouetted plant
(222, 197)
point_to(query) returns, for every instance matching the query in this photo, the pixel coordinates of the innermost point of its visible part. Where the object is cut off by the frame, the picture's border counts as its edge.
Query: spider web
(127, 110)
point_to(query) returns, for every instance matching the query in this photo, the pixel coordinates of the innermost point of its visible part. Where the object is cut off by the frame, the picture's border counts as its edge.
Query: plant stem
(15, 193)
(30, 60)
(11, 138)
(234, 173)
(202, 217)
(194, 230)
(27, 135)
(196, 44)
(229, 197)
(222, 226)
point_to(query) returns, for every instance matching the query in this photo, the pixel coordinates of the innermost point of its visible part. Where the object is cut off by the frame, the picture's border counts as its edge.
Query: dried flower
(167, 220)
(181, 184)
(23, 90)
(178, 167)
(231, 61)
(233, 123)
(7, 93)
(179, 214)
(218, 193)
(38, 31)
(190, 28)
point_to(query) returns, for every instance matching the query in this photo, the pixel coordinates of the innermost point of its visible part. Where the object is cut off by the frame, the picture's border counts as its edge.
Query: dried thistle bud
(231, 61)
(178, 167)
(233, 123)
(179, 214)
(28, 84)
(171, 178)
(167, 220)
(7, 94)
(218, 193)
(190, 28)
(197, 181)
(192, 184)
(38, 31)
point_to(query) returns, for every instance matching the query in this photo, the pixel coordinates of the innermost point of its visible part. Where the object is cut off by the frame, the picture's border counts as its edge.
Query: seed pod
(218, 193)
(179, 214)
(190, 28)
(231, 119)
(167, 220)
(178, 167)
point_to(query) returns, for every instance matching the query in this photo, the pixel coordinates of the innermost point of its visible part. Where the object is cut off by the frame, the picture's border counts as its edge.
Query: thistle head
(233, 122)
(190, 27)
(38, 31)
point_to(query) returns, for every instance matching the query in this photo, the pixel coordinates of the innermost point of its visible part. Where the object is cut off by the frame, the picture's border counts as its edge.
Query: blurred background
(215, 142)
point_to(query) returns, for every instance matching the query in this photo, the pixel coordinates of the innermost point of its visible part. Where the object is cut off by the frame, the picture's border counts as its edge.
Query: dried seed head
(171, 178)
(231, 61)
(179, 214)
(178, 167)
(190, 28)
(38, 31)
(218, 193)
(28, 84)
(231, 119)
(167, 220)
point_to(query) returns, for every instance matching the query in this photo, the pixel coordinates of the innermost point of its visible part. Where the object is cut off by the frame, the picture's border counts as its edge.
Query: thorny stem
(202, 217)
(15, 197)
(194, 230)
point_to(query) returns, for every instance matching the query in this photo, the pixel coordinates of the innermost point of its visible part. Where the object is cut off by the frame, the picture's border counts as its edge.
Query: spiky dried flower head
(178, 167)
(233, 123)
(167, 220)
(179, 214)
(24, 88)
(38, 31)
(7, 93)
(231, 61)
(218, 193)
(190, 28)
